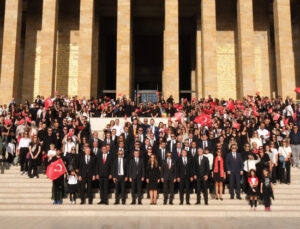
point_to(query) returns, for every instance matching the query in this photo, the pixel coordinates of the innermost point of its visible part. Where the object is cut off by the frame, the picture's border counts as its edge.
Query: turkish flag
(230, 105)
(56, 169)
(120, 95)
(297, 90)
(157, 93)
(203, 119)
(276, 116)
(286, 121)
(178, 115)
(178, 106)
(48, 103)
(236, 125)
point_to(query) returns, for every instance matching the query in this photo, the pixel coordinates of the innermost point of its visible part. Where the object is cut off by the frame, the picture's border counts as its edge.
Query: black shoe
(239, 198)
(133, 203)
(123, 202)
(82, 202)
(106, 203)
(101, 202)
(221, 198)
(231, 197)
(181, 203)
(165, 202)
(116, 203)
(140, 202)
(197, 203)
(90, 202)
(206, 203)
(188, 203)
(171, 202)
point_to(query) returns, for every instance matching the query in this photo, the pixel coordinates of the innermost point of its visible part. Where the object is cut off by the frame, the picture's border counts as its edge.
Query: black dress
(153, 174)
(217, 176)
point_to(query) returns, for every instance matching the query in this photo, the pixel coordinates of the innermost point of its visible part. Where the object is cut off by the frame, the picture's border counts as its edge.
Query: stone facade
(234, 49)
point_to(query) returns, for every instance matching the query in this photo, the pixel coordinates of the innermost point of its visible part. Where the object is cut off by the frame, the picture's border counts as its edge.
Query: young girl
(266, 188)
(72, 183)
(253, 189)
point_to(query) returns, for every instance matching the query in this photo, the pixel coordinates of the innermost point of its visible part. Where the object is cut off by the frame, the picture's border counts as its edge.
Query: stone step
(151, 213)
(145, 206)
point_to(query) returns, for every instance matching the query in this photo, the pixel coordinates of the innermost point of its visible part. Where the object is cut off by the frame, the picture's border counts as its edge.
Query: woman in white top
(273, 154)
(250, 164)
(23, 151)
(255, 139)
(68, 144)
(285, 153)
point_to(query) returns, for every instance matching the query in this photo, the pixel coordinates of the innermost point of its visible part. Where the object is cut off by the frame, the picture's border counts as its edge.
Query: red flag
(138, 95)
(297, 90)
(230, 105)
(276, 116)
(178, 106)
(178, 115)
(203, 119)
(120, 95)
(157, 93)
(286, 121)
(8, 122)
(48, 103)
(194, 99)
(257, 93)
(270, 110)
(56, 169)
(71, 132)
(236, 125)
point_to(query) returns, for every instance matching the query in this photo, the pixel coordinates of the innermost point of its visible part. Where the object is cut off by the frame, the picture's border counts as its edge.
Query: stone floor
(146, 223)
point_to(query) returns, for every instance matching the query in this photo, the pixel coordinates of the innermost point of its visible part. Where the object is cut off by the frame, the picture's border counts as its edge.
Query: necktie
(119, 167)
(234, 156)
(104, 159)
(178, 152)
(163, 154)
(169, 163)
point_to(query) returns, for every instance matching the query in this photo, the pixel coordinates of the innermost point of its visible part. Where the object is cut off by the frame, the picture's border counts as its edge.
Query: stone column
(11, 51)
(86, 30)
(124, 78)
(199, 60)
(209, 51)
(247, 76)
(48, 47)
(170, 81)
(285, 66)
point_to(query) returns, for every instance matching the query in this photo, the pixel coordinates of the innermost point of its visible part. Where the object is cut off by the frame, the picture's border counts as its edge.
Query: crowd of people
(249, 144)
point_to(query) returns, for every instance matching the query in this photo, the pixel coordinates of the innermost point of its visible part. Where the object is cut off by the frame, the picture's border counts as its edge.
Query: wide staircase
(21, 196)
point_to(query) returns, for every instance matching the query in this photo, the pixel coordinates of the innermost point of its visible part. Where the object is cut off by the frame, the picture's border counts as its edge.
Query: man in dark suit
(168, 177)
(201, 175)
(162, 153)
(185, 175)
(108, 140)
(154, 128)
(104, 162)
(172, 143)
(95, 139)
(87, 174)
(177, 151)
(95, 148)
(136, 176)
(234, 165)
(205, 142)
(193, 149)
(120, 176)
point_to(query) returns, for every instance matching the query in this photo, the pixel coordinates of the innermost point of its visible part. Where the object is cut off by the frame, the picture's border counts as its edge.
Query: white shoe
(22, 173)
(35, 177)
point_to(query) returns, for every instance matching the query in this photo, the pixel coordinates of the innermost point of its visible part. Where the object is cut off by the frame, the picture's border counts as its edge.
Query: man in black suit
(104, 162)
(193, 149)
(168, 178)
(177, 151)
(172, 143)
(95, 148)
(95, 139)
(120, 176)
(162, 153)
(201, 175)
(185, 174)
(205, 142)
(234, 165)
(87, 174)
(136, 176)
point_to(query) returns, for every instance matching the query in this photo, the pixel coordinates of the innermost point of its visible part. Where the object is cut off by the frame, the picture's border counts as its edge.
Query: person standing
(24, 152)
(152, 178)
(185, 174)
(103, 168)
(120, 176)
(266, 188)
(201, 175)
(219, 174)
(234, 165)
(87, 174)
(253, 189)
(35, 150)
(136, 176)
(168, 178)
(295, 145)
(285, 153)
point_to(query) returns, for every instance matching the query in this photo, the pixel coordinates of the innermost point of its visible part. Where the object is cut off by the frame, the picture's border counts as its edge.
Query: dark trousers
(72, 196)
(58, 189)
(168, 187)
(184, 184)
(120, 189)
(286, 173)
(202, 187)
(267, 200)
(136, 189)
(234, 181)
(23, 159)
(103, 186)
(274, 174)
(32, 167)
(86, 188)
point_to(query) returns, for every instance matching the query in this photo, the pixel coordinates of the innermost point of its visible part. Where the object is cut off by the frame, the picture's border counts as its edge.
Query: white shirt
(210, 158)
(24, 143)
(263, 132)
(72, 180)
(68, 147)
(51, 153)
(257, 140)
(284, 151)
(250, 164)
(273, 155)
(120, 167)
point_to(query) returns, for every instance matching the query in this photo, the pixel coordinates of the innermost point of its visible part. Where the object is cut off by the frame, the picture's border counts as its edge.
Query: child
(253, 189)
(266, 188)
(72, 183)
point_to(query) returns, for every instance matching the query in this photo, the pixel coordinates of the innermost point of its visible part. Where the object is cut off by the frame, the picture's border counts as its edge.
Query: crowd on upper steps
(249, 144)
